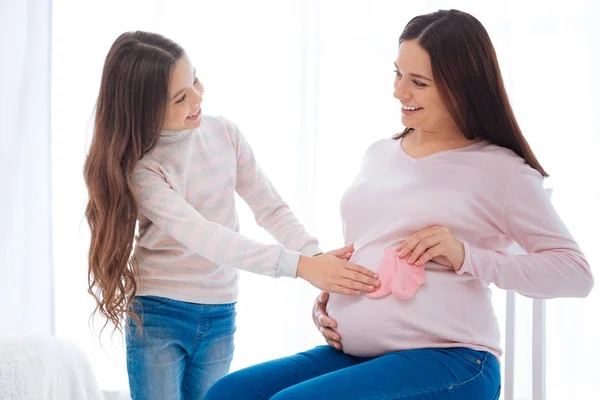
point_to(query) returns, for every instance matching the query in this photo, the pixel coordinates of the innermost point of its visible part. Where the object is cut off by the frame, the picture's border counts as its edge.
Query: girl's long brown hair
(464, 64)
(130, 113)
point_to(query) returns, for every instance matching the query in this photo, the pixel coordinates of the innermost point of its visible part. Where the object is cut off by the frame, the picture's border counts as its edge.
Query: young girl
(155, 159)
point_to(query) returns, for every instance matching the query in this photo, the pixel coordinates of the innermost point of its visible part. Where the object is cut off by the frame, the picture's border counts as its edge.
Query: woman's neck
(418, 143)
(442, 139)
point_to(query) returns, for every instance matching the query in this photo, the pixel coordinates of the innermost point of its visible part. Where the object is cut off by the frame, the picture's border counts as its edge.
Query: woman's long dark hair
(130, 113)
(467, 74)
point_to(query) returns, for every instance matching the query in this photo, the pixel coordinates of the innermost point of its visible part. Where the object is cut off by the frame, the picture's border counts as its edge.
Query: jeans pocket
(476, 357)
(144, 304)
(219, 309)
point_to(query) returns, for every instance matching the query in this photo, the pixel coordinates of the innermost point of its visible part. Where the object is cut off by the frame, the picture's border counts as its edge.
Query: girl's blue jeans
(181, 350)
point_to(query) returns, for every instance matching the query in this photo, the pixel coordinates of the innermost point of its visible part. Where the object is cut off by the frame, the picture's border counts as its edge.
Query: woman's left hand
(435, 244)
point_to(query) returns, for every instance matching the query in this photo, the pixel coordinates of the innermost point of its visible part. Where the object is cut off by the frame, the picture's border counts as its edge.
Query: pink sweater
(188, 247)
(488, 198)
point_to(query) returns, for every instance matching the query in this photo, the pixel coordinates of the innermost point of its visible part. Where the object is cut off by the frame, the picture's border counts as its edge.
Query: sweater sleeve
(270, 211)
(169, 211)
(554, 265)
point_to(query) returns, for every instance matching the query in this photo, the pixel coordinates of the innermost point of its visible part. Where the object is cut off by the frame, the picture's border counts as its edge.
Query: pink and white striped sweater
(188, 247)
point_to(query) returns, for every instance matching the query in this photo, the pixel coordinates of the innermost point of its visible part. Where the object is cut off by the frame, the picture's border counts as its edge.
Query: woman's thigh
(444, 374)
(264, 380)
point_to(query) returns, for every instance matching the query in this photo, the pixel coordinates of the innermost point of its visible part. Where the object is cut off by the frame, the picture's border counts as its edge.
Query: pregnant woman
(433, 210)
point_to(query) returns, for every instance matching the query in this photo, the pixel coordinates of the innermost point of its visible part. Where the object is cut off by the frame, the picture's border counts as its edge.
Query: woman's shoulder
(382, 144)
(504, 166)
(495, 157)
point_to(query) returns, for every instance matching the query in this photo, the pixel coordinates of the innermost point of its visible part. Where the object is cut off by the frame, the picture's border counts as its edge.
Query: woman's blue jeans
(326, 373)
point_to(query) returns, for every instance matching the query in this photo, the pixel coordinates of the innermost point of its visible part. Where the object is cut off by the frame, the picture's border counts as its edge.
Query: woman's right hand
(335, 275)
(325, 323)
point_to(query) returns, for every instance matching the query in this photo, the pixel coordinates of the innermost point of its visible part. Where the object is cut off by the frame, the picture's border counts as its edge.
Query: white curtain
(310, 85)
(26, 295)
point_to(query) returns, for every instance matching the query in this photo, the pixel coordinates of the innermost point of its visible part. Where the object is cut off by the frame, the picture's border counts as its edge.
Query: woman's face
(414, 86)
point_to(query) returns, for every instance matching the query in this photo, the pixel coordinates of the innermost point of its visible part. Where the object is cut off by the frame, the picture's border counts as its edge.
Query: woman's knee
(224, 388)
(242, 384)
(288, 394)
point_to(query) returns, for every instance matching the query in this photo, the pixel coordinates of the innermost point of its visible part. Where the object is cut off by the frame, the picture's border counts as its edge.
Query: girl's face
(185, 98)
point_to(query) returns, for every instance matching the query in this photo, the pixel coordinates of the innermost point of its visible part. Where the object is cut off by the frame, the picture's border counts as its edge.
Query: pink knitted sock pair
(398, 277)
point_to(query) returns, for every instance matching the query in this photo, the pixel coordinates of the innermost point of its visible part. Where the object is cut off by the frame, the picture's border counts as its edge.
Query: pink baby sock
(398, 277)
(387, 270)
(407, 279)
